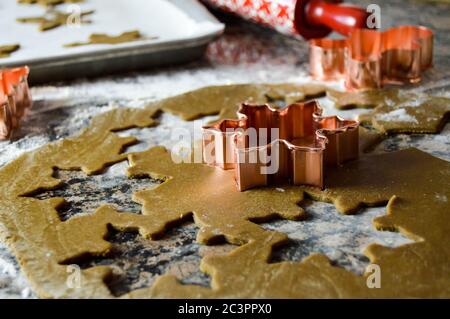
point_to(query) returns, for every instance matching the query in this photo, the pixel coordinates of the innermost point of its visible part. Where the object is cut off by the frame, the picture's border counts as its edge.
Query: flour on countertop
(11, 150)
(441, 197)
(412, 100)
(13, 284)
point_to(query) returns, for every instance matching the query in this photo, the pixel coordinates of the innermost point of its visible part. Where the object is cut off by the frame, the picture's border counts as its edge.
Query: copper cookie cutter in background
(306, 143)
(15, 99)
(369, 58)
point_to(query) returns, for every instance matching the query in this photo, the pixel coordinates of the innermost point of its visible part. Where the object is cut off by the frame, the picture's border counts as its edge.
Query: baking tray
(183, 29)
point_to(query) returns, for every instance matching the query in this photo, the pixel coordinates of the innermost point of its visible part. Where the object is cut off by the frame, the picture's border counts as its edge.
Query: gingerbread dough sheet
(413, 184)
(397, 111)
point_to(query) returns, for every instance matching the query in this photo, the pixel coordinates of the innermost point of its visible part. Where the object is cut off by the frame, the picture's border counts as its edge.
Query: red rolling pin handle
(341, 18)
(317, 18)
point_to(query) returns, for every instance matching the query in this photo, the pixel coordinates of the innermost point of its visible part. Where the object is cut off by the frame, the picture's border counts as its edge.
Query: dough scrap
(396, 111)
(6, 50)
(225, 99)
(414, 183)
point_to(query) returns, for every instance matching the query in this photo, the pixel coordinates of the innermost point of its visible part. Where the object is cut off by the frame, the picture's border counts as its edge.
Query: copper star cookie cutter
(369, 59)
(15, 99)
(306, 143)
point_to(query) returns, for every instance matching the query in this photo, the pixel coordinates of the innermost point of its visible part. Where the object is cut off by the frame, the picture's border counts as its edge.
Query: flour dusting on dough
(442, 197)
(398, 115)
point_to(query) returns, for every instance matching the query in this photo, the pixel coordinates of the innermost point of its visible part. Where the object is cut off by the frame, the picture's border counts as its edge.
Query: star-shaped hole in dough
(84, 193)
(136, 262)
(342, 238)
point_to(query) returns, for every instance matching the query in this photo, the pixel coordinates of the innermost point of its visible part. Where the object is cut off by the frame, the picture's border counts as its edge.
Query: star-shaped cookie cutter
(305, 143)
(15, 99)
(369, 58)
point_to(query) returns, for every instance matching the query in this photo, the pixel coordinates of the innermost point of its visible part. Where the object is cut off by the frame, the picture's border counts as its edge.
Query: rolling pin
(306, 18)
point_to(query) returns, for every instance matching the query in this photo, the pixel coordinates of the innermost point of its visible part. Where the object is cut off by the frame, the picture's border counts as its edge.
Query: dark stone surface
(87, 193)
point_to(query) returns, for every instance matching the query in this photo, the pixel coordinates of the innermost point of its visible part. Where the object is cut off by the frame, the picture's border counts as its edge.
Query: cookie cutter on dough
(369, 58)
(15, 99)
(306, 143)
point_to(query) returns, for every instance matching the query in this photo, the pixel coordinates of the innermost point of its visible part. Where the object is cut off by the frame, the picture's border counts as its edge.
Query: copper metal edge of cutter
(369, 58)
(306, 144)
(15, 99)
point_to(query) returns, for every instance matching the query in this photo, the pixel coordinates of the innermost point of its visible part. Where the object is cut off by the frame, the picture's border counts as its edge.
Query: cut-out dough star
(102, 38)
(53, 19)
(48, 3)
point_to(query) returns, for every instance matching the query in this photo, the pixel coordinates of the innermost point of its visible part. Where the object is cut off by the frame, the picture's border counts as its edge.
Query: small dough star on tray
(54, 18)
(6, 50)
(48, 3)
(102, 38)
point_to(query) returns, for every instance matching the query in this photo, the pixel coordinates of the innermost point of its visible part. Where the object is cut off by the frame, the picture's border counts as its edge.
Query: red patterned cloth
(278, 14)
